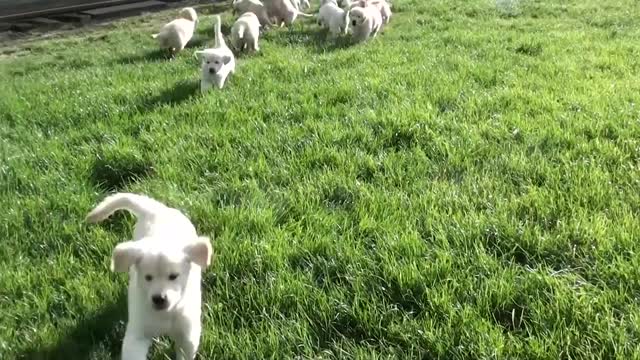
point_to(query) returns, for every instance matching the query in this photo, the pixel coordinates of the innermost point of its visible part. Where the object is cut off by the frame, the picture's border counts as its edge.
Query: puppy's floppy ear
(124, 255)
(226, 59)
(200, 252)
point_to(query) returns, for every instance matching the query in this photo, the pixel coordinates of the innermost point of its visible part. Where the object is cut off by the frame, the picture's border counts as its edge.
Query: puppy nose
(212, 71)
(159, 301)
(354, 23)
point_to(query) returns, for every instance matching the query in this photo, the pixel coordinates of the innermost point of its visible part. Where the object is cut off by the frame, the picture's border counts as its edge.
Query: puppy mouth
(161, 307)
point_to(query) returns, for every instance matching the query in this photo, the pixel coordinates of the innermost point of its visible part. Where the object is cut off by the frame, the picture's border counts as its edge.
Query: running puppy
(164, 261)
(217, 62)
(245, 32)
(365, 22)
(254, 6)
(333, 17)
(175, 35)
(382, 5)
(283, 11)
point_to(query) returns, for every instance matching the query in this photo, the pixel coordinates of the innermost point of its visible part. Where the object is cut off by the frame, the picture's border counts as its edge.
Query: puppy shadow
(101, 332)
(309, 36)
(178, 93)
(113, 171)
(155, 55)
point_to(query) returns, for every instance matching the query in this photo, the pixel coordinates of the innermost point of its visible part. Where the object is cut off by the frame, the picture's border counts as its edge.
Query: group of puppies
(363, 18)
(166, 256)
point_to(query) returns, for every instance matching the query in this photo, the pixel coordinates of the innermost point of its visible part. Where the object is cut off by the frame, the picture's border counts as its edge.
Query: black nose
(159, 301)
(353, 22)
(212, 71)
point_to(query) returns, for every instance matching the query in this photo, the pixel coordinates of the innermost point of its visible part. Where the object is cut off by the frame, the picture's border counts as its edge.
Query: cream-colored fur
(245, 33)
(283, 11)
(365, 22)
(175, 35)
(164, 261)
(255, 6)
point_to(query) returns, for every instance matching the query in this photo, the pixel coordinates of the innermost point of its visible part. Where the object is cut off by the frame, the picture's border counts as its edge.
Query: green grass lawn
(465, 186)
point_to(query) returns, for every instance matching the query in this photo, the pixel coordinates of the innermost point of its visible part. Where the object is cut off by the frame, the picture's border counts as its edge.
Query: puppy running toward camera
(365, 22)
(333, 17)
(254, 6)
(164, 260)
(283, 11)
(382, 5)
(245, 32)
(175, 35)
(217, 62)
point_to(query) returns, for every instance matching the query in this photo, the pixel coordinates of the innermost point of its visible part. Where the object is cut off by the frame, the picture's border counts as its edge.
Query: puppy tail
(139, 205)
(241, 32)
(219, 40)
(155, 35)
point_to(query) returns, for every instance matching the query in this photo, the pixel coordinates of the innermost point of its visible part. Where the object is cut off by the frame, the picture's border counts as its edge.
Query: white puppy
(175, 35)
(333, 17)
(164, 261)
(365, 22)
(217, 62)
(382, 5)
(254, 6)
(245, 32)
(283, 11)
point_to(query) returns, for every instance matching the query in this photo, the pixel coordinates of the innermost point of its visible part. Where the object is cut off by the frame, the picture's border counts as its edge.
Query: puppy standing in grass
(254, 6)
(175, 35)
(217, 62)
(283, 11)
(245, 32)
(365, 22)
(333, 17)
(164, 261)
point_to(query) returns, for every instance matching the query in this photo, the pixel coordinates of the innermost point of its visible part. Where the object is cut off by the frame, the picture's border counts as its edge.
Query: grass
(465, 186)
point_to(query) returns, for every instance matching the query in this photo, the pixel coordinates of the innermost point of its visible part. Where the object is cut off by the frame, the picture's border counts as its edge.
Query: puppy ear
(226, 59)
(200, 252)
(124, 255)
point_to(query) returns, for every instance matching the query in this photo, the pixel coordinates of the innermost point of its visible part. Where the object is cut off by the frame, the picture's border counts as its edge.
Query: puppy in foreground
(175, 35)
(217, 62)
(333, 17)
(245, 32)
(365, 22)
(284, 11)
(164, 260)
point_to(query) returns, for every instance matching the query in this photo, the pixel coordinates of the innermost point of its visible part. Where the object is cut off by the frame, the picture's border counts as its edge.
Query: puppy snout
(353, 23)
(159, 301)
(212, 71)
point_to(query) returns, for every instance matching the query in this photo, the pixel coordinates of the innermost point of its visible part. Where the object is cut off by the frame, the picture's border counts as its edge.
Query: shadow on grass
(178, 93)
(310, 36)
(102, 331)
(113, 171)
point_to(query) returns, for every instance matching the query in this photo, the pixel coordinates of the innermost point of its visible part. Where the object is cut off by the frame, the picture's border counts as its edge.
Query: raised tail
(139, 205)
(219, 40)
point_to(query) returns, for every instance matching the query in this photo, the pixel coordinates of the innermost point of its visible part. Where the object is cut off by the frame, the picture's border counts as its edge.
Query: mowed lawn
(465, 186)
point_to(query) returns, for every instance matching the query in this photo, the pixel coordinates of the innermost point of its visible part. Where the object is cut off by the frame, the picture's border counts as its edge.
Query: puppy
(254, 6)
(175, 35)
(382, 5)
(164, 261)
(245, 32)
(365, 22)
(217, 62)
(283, 11)
(336, 19)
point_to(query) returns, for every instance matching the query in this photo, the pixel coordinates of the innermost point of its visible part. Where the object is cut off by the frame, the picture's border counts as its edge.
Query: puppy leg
(135, 347)
(205, 86)
(187, 344)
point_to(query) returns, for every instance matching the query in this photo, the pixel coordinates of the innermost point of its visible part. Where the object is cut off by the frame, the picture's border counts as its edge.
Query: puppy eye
(217, 62)
(208, 62)
(148, 277)
(173, 276)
